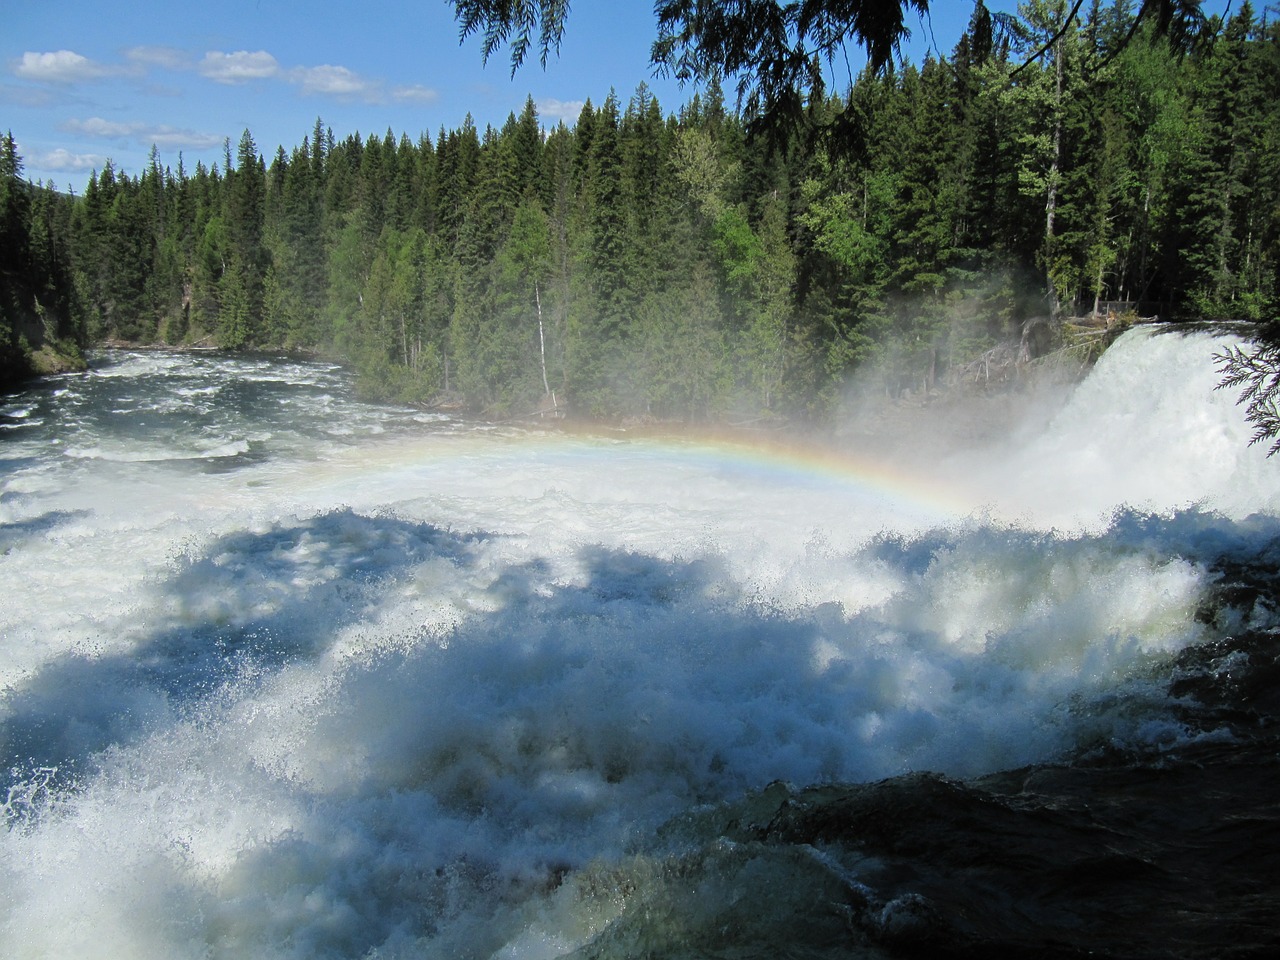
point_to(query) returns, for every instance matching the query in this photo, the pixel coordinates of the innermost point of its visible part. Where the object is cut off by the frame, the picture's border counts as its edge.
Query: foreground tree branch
(776, 49)
(1255, 372)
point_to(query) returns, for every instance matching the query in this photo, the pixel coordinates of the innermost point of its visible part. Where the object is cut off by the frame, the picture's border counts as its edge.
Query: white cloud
(64, 161)
(415, 94)
(60, 66)
(332, 81)
(97, 127)
(177, 139)
(325, 80)
(567, 110)
(162, 135)
(239, 67)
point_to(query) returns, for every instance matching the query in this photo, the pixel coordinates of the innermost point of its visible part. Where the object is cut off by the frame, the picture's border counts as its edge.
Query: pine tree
(526, 148)
(1234, 112)
(243, 283)
(14, 255)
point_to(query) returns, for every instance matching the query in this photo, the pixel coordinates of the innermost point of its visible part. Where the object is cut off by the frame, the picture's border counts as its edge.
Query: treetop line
(644, 263)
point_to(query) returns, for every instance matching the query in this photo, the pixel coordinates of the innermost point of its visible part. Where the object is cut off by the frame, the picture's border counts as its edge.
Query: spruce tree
(240, 318)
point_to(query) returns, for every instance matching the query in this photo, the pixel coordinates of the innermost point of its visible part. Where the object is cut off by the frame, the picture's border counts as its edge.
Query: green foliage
(682, 360)
(780, 50)
(514, 22)
(40, 318)
(685, 265)
(1255, 373)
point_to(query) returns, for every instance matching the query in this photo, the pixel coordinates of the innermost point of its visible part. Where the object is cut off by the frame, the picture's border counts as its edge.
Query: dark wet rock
(1158, 854)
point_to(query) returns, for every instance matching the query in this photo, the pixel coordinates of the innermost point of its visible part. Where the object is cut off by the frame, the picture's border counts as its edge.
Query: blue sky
(81, 81)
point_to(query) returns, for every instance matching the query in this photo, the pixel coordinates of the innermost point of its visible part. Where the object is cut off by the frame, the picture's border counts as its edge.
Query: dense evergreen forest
(686, 264)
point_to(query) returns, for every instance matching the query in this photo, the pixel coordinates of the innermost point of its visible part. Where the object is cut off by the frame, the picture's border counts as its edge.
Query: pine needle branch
(1256, 374)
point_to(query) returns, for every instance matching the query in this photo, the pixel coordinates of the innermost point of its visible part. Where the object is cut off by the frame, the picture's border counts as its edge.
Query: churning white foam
(377, 700)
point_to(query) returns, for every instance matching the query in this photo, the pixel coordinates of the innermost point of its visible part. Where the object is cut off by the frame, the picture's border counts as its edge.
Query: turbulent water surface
(287, 675)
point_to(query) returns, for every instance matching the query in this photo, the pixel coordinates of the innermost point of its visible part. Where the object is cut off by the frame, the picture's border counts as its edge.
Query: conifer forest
(688, 263)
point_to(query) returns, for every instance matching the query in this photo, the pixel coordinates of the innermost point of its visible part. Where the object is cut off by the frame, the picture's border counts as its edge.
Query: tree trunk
(1051, 198)
(542, 340)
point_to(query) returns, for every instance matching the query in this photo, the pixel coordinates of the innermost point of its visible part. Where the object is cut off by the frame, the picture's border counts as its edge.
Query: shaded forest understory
(933, 223)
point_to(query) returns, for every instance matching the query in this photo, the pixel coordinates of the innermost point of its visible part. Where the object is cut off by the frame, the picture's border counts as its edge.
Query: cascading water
(287, 675)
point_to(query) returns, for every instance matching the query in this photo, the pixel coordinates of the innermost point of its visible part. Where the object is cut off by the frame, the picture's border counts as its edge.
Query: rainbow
(756, 458)
(792, 461)
(786, 460)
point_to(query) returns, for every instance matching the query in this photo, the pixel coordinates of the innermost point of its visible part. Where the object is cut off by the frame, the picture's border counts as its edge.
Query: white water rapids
(283, 675)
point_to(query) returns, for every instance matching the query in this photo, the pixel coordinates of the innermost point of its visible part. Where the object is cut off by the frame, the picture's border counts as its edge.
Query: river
(288, 675)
